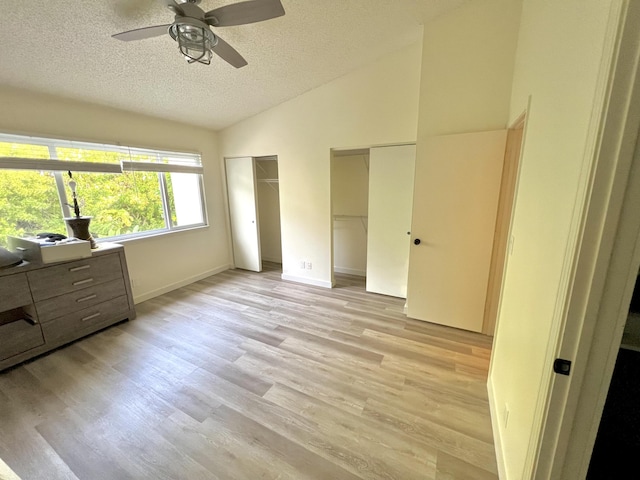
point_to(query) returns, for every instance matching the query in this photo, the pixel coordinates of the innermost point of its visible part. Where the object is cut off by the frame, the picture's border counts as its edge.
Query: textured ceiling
(65, 48)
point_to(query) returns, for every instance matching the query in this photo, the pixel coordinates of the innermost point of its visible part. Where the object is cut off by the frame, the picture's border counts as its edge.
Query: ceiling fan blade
(173, 6)
(229, 54)
(242, 13)
(142, 33)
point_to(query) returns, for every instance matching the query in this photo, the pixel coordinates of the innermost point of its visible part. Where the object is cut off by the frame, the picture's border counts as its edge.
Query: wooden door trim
(502, 230)
(603, 266)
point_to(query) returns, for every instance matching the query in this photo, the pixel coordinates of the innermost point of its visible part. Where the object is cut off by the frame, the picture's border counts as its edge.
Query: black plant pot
(80, 228)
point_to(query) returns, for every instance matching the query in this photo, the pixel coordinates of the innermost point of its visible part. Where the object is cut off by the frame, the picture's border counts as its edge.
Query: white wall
(349, 196)
(557, 64)
(377, 104)
(156, 264)
(467, 69)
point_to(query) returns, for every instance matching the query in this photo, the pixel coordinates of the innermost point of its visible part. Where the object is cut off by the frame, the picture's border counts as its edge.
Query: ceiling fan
(191, 28)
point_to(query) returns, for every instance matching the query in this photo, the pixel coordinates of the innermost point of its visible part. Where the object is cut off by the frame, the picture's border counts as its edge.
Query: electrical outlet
(309, 266)
(506, 415)
(302, 264)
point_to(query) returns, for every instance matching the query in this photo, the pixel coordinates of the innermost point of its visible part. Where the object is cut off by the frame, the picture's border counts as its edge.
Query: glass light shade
(194, 41)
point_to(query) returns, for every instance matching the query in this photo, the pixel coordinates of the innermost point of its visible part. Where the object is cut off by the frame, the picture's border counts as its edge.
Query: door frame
(504, 218)
(601, 271)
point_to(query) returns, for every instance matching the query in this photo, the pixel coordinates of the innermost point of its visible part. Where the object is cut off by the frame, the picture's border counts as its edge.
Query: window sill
(133, 237)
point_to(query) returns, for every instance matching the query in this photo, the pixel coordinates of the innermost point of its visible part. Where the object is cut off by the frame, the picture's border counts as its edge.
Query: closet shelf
(350, 217)
(268, 180)
(343, 218)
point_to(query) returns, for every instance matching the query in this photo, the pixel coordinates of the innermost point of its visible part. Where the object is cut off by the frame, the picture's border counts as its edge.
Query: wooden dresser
(45, 306)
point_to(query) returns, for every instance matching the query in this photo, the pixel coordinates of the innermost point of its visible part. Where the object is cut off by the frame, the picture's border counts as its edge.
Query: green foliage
(119, 203)
(28, 204)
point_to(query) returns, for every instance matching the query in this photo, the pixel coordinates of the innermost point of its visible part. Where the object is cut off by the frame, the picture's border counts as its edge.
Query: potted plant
(78, 224)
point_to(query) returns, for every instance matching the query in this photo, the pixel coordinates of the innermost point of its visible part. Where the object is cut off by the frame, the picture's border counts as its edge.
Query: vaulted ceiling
(64, 47)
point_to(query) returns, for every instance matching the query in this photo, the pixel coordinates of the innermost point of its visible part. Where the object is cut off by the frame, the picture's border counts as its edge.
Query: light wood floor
(244, 376)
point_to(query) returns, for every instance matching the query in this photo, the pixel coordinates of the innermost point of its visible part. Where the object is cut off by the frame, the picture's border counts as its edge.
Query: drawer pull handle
(91, 317)
(77, 269)
(82, 282)
(88, 297)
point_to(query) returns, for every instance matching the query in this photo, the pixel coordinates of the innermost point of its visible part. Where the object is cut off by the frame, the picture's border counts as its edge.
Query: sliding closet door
(243, 212)
(391, 171)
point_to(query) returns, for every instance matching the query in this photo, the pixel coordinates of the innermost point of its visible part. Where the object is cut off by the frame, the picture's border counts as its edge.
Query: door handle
(416, 241)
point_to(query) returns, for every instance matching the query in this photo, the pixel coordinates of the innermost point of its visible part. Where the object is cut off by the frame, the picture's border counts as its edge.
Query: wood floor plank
(21, 444)
(287, 452)
(243, 376)
(383, 455)
(84, 454)
(329, 345)
(350, 381)
(311, 383)
(445, 439)
(451, 467)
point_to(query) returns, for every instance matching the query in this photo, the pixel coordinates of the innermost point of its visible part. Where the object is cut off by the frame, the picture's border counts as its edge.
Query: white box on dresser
(41, 251)
(44, 306)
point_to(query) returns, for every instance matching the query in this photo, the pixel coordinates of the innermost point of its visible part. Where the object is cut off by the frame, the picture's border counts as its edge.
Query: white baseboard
(495, 426)
(175, 285)
(350, 271)
(307, 281)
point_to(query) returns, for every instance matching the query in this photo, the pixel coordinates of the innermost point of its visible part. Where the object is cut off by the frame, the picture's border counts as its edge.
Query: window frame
(183, 162)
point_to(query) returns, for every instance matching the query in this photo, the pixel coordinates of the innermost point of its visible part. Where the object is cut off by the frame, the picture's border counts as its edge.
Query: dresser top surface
(103, 249)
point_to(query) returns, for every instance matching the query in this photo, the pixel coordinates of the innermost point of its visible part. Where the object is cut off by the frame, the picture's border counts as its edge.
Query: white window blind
(32, 153)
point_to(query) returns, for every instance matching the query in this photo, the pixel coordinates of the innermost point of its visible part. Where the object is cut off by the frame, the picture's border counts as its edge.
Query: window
(128, 191)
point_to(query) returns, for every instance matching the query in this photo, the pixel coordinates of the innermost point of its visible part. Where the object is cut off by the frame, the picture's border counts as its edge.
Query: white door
(243, 212)
(391, 171)
(457, 185)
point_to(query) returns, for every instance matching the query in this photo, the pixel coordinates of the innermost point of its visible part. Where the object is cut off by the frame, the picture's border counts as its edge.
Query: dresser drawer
(79, 300)
(14, 292)
(78, 324)
(60, 279)
(19, 337)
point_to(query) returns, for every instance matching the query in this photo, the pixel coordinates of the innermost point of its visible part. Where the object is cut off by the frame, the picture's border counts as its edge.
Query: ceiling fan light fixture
(195, 40)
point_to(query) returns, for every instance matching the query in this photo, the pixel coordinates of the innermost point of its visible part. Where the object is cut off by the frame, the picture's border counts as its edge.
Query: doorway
(618, 439)
(269, 209)
(254, 211)
(350, 205)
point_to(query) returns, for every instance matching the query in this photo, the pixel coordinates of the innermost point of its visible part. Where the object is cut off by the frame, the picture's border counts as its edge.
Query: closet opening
(371, 205)
(269, 212)
(349, 205)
